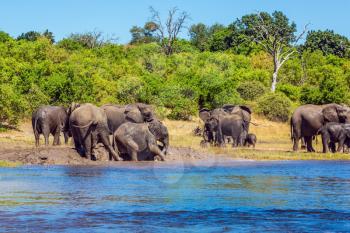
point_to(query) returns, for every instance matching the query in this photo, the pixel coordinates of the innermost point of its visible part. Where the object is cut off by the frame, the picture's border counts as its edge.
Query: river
(240, 196)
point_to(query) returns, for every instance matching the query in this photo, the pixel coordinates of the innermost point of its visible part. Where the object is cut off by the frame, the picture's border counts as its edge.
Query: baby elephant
(137, 141)
(332, 133)
(250, 140)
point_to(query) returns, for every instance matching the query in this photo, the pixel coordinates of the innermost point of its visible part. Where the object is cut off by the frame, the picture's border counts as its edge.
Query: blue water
(311, 196)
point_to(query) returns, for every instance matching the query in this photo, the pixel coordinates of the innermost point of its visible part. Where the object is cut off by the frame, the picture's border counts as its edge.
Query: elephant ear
(204, 114)
(132, 113)
(245, 108)
(330, 114)
(146, 111)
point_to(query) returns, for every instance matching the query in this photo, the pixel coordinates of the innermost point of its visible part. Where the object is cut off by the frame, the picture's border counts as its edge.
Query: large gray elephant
(88, 125)
(137, 142)
(48, 120)
(308, 119)
(227, 125)
(118, 114)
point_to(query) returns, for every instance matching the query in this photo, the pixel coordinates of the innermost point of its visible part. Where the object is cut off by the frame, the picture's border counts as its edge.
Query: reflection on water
(237, 197)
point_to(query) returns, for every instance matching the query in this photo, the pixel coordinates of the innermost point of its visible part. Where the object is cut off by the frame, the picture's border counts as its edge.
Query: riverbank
(17, 146)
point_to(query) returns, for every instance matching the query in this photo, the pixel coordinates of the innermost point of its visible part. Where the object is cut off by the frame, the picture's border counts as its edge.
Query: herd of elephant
(331, 121)
(138, 135)
(225, 123)
(135, 129)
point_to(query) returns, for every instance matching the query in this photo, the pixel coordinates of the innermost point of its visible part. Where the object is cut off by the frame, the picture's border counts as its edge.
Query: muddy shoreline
(67, 155)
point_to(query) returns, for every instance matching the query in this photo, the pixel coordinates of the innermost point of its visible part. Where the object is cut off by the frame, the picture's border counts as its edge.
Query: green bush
(251, 90)
(275, 107)
(330, 88)
(12, 105)
(291, 91)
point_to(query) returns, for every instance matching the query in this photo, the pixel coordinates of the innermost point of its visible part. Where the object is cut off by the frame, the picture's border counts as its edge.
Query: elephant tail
(35, 124)
(291, 129)
(253, 123)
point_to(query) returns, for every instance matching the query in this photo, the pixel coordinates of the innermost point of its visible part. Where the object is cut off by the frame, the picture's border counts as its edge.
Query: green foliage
(12, 105)
(251, 90)
(145, 34)
(218, 65)
(33, 36)
(4, 37)
(275, 107)
(291, 91)
(328, 42)
(330, 88)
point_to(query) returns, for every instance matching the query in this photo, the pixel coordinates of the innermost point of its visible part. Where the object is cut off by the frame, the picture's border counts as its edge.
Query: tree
(4, 36)
(33, 36)
(275, 34)
(29, 36)
(145, 34)
(199, 34)
(91, 39)
(168, 32)
(328, 42)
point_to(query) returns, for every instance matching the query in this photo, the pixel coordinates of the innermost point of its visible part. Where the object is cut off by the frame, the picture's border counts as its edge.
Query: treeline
(218, 64)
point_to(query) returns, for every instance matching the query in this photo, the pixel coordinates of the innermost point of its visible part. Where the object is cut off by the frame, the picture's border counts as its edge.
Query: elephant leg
(308, 141)
(325, 139)
(77, 140)
(296, 143)
(66, 137)
(155, 150)
(88, 146)
(303, 143)
(56, 137)
(104, 137)
(46, 133)
(341, 144)
(37, 138)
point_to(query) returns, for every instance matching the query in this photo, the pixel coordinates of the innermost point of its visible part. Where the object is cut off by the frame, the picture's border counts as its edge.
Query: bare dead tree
(167, 32)
(277, 38)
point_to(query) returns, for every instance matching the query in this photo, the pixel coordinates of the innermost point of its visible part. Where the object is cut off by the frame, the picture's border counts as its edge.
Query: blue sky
(115, 18)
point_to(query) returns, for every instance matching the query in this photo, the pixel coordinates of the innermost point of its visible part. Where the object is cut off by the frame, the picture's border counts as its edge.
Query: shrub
(331, 87)
(12, 105)
(291, 91)
(251, 90)
(274, 106)
(183, 110)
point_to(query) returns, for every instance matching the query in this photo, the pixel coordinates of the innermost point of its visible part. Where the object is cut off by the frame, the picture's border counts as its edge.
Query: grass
(274, 142)
(9, 164)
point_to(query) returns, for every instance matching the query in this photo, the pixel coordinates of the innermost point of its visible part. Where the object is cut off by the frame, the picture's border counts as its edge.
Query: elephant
(227, 125)
(332, 133)
(88, 125)
(118, 114)
(308, 119)
(136, 141)
(48, 120)
(250, 140)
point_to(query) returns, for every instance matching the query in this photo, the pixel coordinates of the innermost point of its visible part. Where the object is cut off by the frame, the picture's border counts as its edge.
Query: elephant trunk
(166, 145)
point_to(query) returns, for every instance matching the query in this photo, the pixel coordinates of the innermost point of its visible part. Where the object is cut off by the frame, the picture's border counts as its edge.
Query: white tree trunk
(276, 67)
(274, 81)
